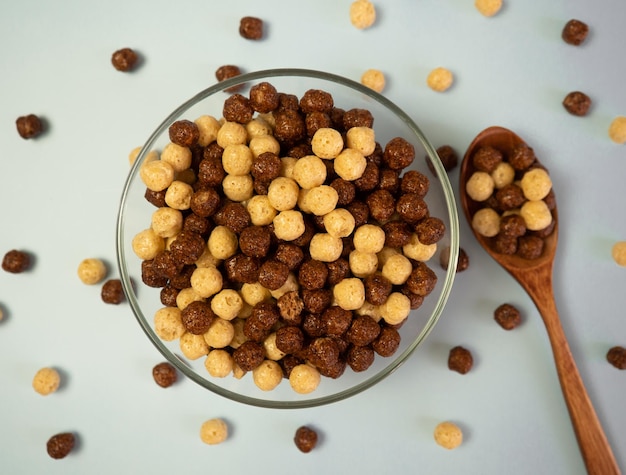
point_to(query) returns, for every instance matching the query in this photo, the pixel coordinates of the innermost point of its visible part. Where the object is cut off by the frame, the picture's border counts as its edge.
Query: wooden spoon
(535, 276)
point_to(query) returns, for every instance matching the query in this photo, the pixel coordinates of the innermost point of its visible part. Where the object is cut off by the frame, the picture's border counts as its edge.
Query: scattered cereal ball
(304, 378)
(29, 126)
(157, 175)
(219, 363)
(253, 293)
(251, 28)
(166, 222)
(350, 164)
(228, 71)
(168, 324)
(112, 292)
(362, 263)
(419, 251)
(575, 32)
(577, 103)
(60, 445)
(617, 130)
(440, 79)
(374, 79)
(1, 313)
(208, 126)
(267, 375)
(617, 357)
(327, 143)
(237, 159)
(507, 316)
(227, 304)
(46, 381)
(222, 242)
(305, 439)
(488, 7)
(486, 222)
(396, 309)
(178, 195)
(91, 271)
(502, 175)
(397, 269)
(339, 223)
(536, 215)
(206, 281)
(362, 14)
(448, 435)
(369, 238)
(164, 374)
(220, 333)
(536, 184)
(231, 133)
(124, 59)
(619, 253)
(260, 210)
(238, 187)
(309, 172)
(147, 244)
(16, 261)
(288, 225)
(460, 360)
(193, 346)
(177, 156)
(214, 431)
(479, 186)
(349, 294)
(283, 193)
(320, 200)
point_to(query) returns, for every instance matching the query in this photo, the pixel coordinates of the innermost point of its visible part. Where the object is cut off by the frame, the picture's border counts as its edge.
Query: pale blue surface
(61, 192)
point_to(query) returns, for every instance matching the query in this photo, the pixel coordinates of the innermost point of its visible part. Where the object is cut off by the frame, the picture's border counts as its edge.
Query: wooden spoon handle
(594, 446)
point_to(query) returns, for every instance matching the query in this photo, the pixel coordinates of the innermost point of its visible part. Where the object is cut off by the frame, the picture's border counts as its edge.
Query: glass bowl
(389, 122)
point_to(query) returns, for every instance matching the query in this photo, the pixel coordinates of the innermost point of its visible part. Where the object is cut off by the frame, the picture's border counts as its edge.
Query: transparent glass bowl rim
(397, 360)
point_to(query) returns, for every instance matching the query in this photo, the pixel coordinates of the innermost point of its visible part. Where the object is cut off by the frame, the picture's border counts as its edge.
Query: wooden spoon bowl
(535, 276)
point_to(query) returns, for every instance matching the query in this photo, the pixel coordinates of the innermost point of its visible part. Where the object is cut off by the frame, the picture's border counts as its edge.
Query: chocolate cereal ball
(112, 292)
(60, 445)
(124, 59)
(305, 439)
(507, 316)
(29, 126)
(251, 28)
(263, 97)
(164, 374)
(360, 358)
(577, 103)
(228, 71)
(184, 133)
(616, 356)
(197, 317)
(16, 261)
(398, 153)
(460, 360)
(575, 32)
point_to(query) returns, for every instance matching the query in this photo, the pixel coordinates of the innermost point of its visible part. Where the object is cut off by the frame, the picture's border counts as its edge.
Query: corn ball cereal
(618, 252)
(448, 435)
(440, 79)
(374, 79)
(91, 271)
(486, 222)
(617, 130)
(502, 175)
(480, 186)
(536, 184)
(488, 8)
(214, 431)
(536, 215)
(46, 381)
(362, 14)
(280, 224)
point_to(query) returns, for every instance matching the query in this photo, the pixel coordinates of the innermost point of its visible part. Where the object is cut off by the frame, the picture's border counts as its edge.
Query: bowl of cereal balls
(281, 238)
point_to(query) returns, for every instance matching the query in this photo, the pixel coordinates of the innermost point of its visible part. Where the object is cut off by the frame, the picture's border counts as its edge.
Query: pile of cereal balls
(286, 241)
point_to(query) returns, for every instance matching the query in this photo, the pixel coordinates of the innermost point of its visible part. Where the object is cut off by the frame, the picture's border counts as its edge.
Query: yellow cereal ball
(362, 139)
(369, 238)
(374, 79)
(260, 210)
(177, 156)
(486, 222)
(349, 294)
(536, 215)
(166, 222)
(254, 293)
(396, 309)
(214, 431)
(206, 281)
(147, 244)
(237, 159)
(288, 225)
(320, 200)
(207, 259)
(239, 337)
(91, 271)
(258, 127)
(186, 296)
(157, 175)
(267, 375)
(418, 251)
(227, 304)
(208, 126)
(134, 153)
(325, 248)
(362, 263)
(339, 223)
(619, 253)
(290, 285)
(448, 435)
(327, 142)
(283, 193)
(193, 346)
(304, 378)
(286, 166)
(271, 350)
(219, 363)
(617, 130)
(231, 133)
(168, 324)
(220, 333)
(385, 254)
(440, 79)
(46, 381)
(262, 144)
(536, 184)
(309, 172)
(350, 164)
(503, 174)
(238, 187)
(222, 242)
(186, 176)
(362, 14)
(479, 186)
(397, 269)
(488, 7)
(178, 195)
